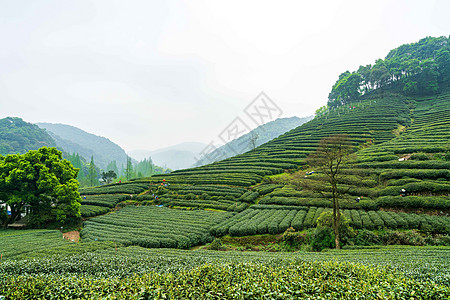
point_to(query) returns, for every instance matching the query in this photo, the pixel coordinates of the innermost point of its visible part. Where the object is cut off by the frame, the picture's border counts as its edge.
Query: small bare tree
(331, 155)
(253, 138)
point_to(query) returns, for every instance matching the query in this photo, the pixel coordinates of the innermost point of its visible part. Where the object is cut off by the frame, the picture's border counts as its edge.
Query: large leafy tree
(346, 89)
(44, 182)
(109, 176)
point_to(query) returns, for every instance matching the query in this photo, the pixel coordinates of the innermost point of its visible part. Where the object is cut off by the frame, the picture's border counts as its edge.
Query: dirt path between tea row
(73, 236)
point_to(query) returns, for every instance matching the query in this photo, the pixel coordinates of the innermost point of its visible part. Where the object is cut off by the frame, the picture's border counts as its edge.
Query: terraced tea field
(153, 227)
(262, 219)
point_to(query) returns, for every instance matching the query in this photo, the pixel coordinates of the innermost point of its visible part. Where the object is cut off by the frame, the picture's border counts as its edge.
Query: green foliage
(428, 202)
(347, 88)
(324, 221)
(205, 197)
(93, 210)
(231, 281)
(117, 188)
(216, 245)
(106, 200)
(153, 227)
(249, 197)
(366, 237)
(18, 136)
(15, 243)
(107, 177)
(412, 238)
(42, 180)
(321, 238)
(259, 219)
(266, 188)
(417, 69)
(293, 238)
(92, 177)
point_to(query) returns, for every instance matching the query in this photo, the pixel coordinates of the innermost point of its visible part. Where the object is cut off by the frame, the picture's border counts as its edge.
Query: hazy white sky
(149, 74)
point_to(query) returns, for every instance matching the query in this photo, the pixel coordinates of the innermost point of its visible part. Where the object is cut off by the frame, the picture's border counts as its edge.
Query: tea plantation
(139, 273)
(146, 238)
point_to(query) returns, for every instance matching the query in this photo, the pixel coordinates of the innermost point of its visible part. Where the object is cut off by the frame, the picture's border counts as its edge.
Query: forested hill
(18, 136)
(75, 140)
(260, 135)
(416, 69)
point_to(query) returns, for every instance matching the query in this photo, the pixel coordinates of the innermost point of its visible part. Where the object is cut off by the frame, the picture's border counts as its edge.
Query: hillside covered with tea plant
(400, 140)
(394, 190)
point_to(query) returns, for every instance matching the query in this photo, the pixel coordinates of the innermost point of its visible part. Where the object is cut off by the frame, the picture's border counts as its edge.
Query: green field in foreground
(398, 272)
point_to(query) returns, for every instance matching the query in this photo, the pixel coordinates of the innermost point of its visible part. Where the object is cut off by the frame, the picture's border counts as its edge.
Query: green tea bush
(92, 210)
(119, 188)
(287, 221)
(106, 200)
(266, 188)
(388, 220)
(430, 202)
(297, 221)
(412, 238)
(148, 226)
(249, 197)
(366, 221)
(366, 237)
(401, 223)
(376, 220)
(356, 219)
(233, 280)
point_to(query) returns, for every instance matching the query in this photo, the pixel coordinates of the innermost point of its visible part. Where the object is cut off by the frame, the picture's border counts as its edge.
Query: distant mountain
(18, 136)
(260, 135)
(73, 139)
(175, 157)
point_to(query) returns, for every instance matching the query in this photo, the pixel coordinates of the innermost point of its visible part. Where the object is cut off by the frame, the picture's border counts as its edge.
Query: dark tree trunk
(336, 214)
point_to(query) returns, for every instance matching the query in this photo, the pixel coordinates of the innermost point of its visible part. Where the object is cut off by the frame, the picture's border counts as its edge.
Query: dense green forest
(17, 136)
(416, 69)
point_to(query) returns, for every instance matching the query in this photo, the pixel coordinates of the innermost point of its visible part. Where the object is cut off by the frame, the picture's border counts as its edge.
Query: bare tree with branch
(330, 157)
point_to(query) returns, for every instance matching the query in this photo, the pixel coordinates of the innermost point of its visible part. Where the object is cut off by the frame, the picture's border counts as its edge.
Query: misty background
(152, 74)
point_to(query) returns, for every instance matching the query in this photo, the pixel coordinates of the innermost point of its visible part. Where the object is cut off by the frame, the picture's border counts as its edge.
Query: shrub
(366, 237)
(420, 156)
(287, 221)
(293, 238)
(401, 223)
(216, 245)
(321, 238)
(345, 231)
(190, 196)
(412, 238)
(440, 240)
